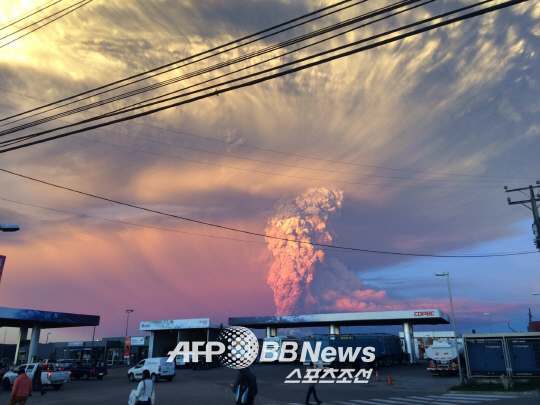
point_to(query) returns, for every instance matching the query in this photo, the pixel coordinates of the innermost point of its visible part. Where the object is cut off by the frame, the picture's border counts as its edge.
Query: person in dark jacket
(36, 380)
(247, 378)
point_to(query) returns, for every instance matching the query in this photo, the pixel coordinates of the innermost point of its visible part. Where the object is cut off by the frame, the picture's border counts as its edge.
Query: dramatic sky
(403, 148)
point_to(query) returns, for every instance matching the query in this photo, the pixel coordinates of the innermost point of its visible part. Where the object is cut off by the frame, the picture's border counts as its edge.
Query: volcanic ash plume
(303, 219)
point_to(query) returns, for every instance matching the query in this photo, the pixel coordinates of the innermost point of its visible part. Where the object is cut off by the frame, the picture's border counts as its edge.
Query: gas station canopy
(414, 317)
(28, 318)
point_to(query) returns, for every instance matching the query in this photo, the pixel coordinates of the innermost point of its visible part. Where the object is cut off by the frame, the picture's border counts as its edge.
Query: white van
(184, 360)
(158, 367)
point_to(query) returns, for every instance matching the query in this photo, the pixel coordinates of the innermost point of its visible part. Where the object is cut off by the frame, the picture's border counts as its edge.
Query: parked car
(54, 378)
(4, 368)
(158, 367)
(65, 364)
(87, 369)
(7, 361)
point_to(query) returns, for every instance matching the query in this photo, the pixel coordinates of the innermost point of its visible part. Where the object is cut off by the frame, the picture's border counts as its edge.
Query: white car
(158, 367)
(51, 378)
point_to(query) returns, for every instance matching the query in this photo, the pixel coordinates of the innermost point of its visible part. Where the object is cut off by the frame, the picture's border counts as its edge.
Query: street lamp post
(47, 340)
(453, 321)
(128, 311)
(489, 314)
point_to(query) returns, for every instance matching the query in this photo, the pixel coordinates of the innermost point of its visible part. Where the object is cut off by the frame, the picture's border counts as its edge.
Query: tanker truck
(443, 357)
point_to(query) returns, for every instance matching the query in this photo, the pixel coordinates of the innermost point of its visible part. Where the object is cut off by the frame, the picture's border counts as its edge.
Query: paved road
(412, 385)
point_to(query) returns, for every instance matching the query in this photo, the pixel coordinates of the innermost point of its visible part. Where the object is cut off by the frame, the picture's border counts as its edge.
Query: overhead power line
(43, 19)
(73, 8)
(232, 229)
(292, 166)
(253, 80)
(209, 69)
(33, 12)
(206, 163)
(131, 223)
(255, 35)
(499, 178)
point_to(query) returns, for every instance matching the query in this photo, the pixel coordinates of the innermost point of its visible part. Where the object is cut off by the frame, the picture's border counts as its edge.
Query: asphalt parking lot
(411, 385)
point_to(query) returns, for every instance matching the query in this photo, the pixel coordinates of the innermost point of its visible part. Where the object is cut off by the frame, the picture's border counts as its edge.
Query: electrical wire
(132, 223)
(279, 152)
(21, 18)
(277, 163)
(212, 68)
(188, 58)
(43, 19)
(288, 175)
(174, 80)
(156, 227)
(269, 162)
(288, 240)
(49, 22)
(269, 77)
(282, 45)
(215, 87)
(17, 140)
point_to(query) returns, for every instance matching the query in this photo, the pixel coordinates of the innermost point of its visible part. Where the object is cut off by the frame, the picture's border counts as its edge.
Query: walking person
(36, 380)
(145, 390)
(311, 389)
(22, 388)
(245, 387)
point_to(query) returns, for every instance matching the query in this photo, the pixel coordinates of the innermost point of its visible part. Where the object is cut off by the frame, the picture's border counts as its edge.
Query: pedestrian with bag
(145, 391)
(245, 387)
(22, 388)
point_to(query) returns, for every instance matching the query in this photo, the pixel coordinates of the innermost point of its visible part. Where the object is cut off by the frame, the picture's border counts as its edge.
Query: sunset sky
(403, 148)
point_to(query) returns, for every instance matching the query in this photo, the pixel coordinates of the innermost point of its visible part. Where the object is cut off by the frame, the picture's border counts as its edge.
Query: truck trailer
(387, 347)
(443, 357)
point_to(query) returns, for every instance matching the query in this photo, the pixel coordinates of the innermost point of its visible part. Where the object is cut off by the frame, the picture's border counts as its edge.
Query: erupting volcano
(302, 219)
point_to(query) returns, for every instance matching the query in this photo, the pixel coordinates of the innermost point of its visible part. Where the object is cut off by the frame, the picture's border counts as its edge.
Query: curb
(502, 394)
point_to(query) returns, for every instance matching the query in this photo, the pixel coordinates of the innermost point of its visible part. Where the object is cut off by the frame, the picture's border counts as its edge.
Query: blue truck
(387, 347)
(86, 370)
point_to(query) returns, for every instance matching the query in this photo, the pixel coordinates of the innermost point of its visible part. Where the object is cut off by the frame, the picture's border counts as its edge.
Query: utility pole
(532, 199)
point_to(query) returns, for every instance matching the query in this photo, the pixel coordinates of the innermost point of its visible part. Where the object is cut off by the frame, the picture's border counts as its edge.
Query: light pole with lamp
(453, 320)
(6, 228)
(128, 311)
(489, 314)
(47, 340)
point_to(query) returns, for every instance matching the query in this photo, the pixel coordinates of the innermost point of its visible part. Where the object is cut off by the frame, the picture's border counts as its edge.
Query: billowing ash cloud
(305, 218)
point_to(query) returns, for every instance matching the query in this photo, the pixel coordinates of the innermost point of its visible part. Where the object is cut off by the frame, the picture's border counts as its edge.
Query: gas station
(335, 321)
(36, 320)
